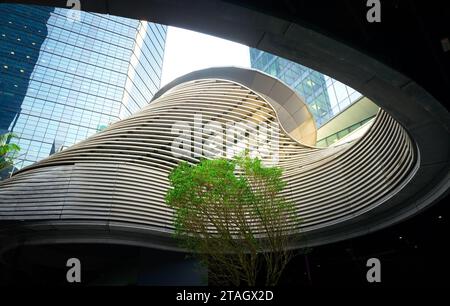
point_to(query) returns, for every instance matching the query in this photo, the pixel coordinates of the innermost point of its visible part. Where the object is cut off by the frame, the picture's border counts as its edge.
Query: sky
(188, 51)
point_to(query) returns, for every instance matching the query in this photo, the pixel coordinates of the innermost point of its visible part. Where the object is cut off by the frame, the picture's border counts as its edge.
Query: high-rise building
(324, 96)
(65, 76)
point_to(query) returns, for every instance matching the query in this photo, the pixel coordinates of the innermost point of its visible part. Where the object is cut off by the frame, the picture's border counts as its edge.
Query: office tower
(66, 76)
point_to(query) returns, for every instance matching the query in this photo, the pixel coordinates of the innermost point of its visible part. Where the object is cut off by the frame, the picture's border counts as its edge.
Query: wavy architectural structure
(110, 188)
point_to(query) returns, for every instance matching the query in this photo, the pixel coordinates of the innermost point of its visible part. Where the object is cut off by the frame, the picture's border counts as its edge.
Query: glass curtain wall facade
(64, 79)
(325, 97)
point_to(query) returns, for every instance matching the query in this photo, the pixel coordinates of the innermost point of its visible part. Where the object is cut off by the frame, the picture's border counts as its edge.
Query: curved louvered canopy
(111, 187)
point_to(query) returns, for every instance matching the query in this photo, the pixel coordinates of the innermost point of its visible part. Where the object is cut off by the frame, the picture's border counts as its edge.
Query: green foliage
(8, 151)
(230, 213)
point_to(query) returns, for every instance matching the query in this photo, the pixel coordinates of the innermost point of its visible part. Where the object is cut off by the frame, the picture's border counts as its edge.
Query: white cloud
(188, 51)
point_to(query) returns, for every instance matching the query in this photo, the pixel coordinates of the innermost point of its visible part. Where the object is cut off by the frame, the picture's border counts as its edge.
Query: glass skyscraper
(324, 96)
(63, 79)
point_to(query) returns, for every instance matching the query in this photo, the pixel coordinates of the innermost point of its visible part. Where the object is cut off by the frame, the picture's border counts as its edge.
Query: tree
(8, 151)
(231, 215)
